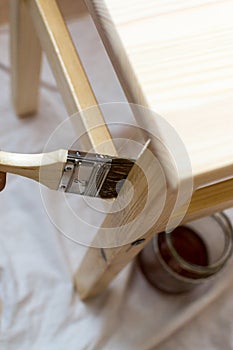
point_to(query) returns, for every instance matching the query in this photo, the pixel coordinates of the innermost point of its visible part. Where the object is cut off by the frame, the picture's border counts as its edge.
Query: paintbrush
(87, 174)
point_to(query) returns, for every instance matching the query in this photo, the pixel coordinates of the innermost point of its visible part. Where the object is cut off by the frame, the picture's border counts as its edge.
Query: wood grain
(205, 201)
(176, 58)
(70, 75)
(25, 59)
(169, 58)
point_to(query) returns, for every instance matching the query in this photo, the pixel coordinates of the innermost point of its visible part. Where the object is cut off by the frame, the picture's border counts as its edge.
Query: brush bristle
(119, 171)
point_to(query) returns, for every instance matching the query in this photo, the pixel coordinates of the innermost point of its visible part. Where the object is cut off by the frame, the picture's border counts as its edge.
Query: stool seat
(176, 59)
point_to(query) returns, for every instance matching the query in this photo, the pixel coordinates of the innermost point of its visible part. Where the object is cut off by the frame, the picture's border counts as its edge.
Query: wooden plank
(169, 58)
(70, 75)
(142, 55)
(25, 59)
(4, 11)
(204, 202)
(125, 226)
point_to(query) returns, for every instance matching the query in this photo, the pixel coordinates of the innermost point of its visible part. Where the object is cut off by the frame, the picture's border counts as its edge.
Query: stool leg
(70, 76)
(99, 265)
(25, 59)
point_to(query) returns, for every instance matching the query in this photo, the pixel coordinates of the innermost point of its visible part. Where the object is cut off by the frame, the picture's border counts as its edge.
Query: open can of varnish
(188, 256)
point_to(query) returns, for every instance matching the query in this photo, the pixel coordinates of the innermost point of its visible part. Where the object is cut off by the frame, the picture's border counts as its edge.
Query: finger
(2, 180)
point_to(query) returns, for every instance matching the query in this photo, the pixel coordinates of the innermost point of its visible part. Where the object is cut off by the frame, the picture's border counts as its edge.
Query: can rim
(203, 271)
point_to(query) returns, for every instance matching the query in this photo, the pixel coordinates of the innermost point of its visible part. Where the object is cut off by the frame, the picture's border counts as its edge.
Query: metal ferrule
(85, 173)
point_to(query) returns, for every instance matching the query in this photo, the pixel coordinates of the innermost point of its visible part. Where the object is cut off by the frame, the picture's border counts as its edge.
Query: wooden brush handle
(46, 168)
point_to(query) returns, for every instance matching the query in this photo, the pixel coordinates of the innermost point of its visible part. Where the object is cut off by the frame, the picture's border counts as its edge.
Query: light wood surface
(170, 58)
(70, 75)
(176, 58)
(25, 59)
(205, 201)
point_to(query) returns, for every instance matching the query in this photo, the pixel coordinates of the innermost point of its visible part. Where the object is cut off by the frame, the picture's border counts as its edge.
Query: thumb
(2, 180)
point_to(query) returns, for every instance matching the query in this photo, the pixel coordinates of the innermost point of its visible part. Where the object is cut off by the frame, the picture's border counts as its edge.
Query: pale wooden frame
(99, 266)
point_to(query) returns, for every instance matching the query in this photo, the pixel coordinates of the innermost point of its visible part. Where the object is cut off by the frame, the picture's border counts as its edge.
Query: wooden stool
(38, 23)
(174, 58)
